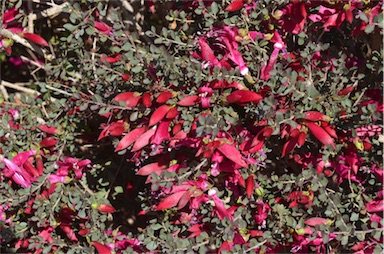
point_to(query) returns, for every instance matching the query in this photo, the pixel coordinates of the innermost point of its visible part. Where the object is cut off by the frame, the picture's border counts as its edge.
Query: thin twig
(26, 59)
(350, 182)
(358, 99)
(114, 179)
(196, 247)
(31, 19)
(127, 6)
(20, 88)
(51, 12)
(58, 90)
(3, 90)
(334, 205)
(86, 188)
(256, 246)
(358, 231)
(93, 58)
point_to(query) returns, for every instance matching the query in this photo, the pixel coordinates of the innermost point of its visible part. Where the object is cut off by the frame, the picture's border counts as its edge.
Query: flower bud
(103, 208)
(277, 14)
(259, 191)
(242, 32)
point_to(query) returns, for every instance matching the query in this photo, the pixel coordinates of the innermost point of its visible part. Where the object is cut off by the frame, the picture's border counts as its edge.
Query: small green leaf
(344, 240)
(354, 217)
(119, 189)
(83, 106)
(214, 8)
(69, 27)
(369, 28)
(156, 226)
(151, 245)
(136, 69)
(360, 236)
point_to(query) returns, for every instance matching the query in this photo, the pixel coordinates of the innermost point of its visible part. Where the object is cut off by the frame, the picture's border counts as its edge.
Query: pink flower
(14, 169)
(73, 164)
(102, 27)
(220, 209)
(58, 179)
(9, 16)
(376, 205)
(236, 57)
(262, 212)
(46, 235)
(14, 112)
(272, 60)
(205, 94)
(3, 216)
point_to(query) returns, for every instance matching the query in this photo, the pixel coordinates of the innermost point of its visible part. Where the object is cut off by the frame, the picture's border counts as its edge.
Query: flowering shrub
(191, 126)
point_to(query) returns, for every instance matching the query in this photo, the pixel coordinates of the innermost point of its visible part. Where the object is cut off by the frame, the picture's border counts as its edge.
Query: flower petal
(130, 138)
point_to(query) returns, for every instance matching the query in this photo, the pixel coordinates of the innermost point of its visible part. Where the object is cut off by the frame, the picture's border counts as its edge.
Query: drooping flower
(219, 208)
(277, 47)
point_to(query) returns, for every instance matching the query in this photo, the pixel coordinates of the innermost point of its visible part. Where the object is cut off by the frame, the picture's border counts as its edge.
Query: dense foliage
(191, 126)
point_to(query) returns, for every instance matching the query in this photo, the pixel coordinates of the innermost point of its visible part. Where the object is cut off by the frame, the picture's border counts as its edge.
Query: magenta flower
(205, 94)
(262, 212)
(272, 60)
(236, 57)
(3, 216)
(14, 169)
(58, 179)
(228, 36)
(73, 164)
(220, 209)
(46, 234)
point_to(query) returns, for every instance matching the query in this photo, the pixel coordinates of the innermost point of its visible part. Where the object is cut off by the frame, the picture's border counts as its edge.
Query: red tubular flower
(220, 209)
(101, 249)
(159, 114)
(130, 138)
(143, 140)
(236, 57)
(48, 129)
(102, 27)
(320, 134)
(9, 16)
(164, 97)
(244, 96)
(272, 60)
(188, 101)
(162, 133)
(103, 208)
(235, 5)
(131, 99)
(250, 184)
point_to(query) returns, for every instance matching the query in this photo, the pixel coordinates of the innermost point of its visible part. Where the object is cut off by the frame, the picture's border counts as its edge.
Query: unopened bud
(242, 32)
(173, 25)
(277, 14)
(259, 191)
